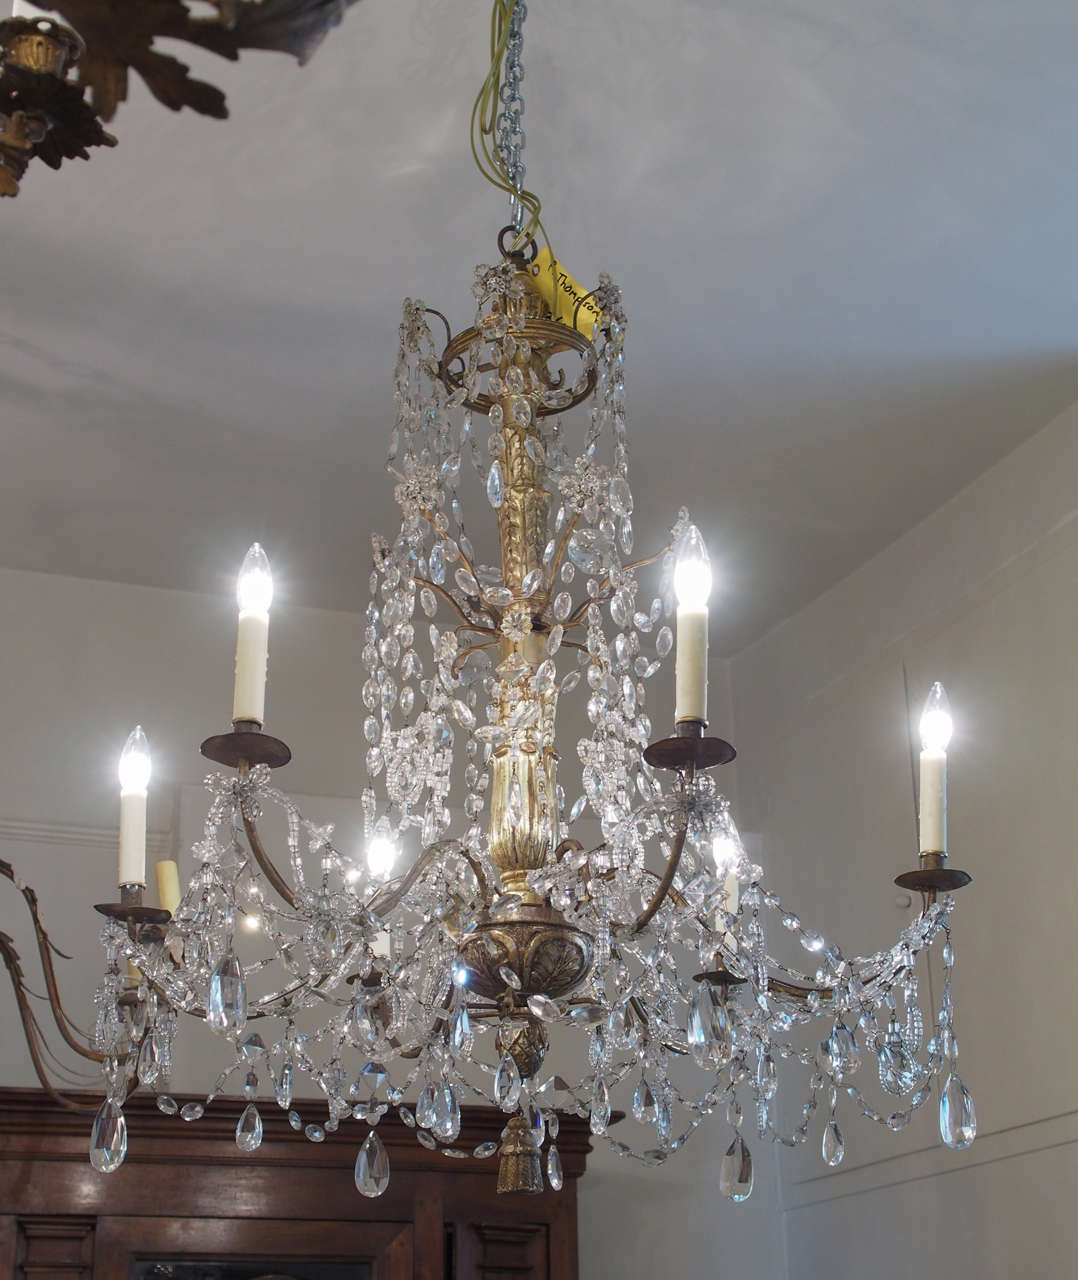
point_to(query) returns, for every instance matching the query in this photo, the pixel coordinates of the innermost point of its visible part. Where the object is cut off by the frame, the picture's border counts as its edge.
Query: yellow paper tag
(563, 295)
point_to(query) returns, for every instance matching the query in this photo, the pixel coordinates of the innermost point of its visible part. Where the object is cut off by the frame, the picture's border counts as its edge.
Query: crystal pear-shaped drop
(460, 1028)
(735, 1174)
(446, 1113)
(226, 1000)
(600, 1109)
(495, 487)
(958, 1119)
(425, 1107)
(283, 1089)
(149, 1064)
(644, 1110)
(249, 1129)
(507, 1084)
(832, 1148)
(372, 1167)
(108, 1138)
(554, 1173)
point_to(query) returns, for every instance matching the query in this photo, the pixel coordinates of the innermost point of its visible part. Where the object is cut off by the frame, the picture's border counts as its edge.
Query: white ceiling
(844, 230)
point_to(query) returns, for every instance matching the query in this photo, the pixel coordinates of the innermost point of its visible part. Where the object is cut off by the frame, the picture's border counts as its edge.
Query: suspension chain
(510, 135)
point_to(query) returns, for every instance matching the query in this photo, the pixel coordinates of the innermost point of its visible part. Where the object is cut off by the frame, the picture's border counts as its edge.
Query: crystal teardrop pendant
(507, 1084)
(372, 1167)
(600, 1109)
(833, 1148)
(149, 1064)
(108, 1138)
(644, 1110)
(495, 487)
(958, 1119)
(249, 1129)
(735, 1173)
(554, 1173)
(425, 1107)
(226, 1000)
(460, 1028)
(446, 1114)
(283, 1088)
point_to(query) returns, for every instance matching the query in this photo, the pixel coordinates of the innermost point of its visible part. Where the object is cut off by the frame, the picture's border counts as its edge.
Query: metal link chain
(509, 133)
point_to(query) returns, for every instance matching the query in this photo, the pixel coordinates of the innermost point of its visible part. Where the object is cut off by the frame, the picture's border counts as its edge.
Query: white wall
(984, 596)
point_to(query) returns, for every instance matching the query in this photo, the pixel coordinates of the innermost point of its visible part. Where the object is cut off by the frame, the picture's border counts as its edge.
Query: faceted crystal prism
(108, 1138)
(372, 1167)
(958, 1119)
(833, 1148)
(226, 1000)
(507, 1084)
(644, 1109)
(735, 1174)
(709, 1028)
(554, 1173)
(249, 1129)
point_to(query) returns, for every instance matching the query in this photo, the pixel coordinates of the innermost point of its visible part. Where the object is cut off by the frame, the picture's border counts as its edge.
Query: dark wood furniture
(185, 1192)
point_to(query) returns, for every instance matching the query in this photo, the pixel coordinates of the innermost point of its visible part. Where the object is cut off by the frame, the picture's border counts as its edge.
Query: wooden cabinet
(186, 1195)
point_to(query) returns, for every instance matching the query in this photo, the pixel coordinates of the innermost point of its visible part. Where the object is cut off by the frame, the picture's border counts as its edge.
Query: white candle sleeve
(933, 833)
(168, 885)
(690, 667)
(132, 868)
(252, 654)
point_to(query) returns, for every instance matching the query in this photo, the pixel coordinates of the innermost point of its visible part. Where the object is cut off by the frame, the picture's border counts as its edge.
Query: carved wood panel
(186, 1191)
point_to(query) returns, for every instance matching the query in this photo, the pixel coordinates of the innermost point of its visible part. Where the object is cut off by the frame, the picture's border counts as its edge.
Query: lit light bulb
(936, 723)
(254, 589)
(252, 922)
(381, 855)
(134, 768)
(692, 572)
(726, 844)
(460, 975)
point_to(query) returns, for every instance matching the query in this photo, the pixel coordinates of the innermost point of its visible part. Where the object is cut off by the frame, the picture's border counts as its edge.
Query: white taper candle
(936, 727)
(254, 591)
(134, 774)
(168, 885)
(692, 584)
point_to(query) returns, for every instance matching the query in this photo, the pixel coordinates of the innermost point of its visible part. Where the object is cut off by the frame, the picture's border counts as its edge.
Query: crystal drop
(426, 1139)
(283, 1089)
(709, 1028)
(510, 977)
(406, 1117)
(249, 1129)
(833, 1148)
(372, 1167)
(495, 488)
(587, 1015)
(766, 1076)
(149, 1065)
(460, 1028)
(545, 1008)
(226, 1001)
(507, 1084)
(424, 1110)
(532, 582)
(563, 605)
(374, 1075)
(295, 1120)
(446, 1114)
(192, 1111)
(553, 1124)
(644, 1108)
(735, 1174)
(958, 1119)
(253, 1047)
(578, 807)
(621, 498)
(485, 1150)
(437, 564)
(167, 1105)
(108, 1138)
(554, 1173)
(600, 1109)
(314, 1133)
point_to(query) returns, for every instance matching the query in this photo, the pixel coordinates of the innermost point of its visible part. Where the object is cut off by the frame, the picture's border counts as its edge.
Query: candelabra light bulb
(692, 572)
(936, 723)
(254, 589)
(134, 768)
(381, 855)
(726, 845)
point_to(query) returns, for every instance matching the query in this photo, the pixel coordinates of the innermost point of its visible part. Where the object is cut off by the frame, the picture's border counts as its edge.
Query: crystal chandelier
(480, 948)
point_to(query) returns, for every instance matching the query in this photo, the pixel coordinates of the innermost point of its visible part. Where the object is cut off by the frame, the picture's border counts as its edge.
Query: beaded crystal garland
(606, 948)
